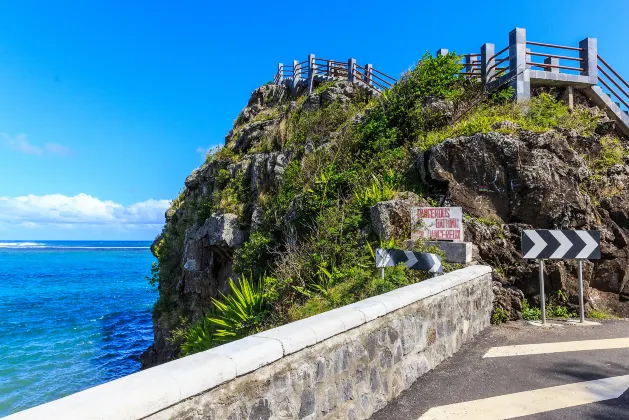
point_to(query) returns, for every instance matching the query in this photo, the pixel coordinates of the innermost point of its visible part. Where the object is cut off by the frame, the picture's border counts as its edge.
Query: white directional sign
(561, 244)
(413, 260)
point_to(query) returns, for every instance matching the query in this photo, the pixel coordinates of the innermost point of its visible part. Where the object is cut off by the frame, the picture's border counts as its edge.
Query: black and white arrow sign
(413, 260)
(561, 244)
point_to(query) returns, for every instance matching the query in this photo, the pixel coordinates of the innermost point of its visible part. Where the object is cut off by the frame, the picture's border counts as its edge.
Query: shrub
(499, 316)
(530, 313)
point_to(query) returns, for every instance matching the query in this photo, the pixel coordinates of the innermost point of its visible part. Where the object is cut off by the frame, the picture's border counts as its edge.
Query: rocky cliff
(306, 185)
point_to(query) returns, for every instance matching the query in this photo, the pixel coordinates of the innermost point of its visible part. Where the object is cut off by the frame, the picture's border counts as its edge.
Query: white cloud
(56, 210)
(21, 144)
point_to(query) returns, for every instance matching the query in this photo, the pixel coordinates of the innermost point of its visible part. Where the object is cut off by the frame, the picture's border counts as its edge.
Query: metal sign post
(561, 245)
(581, 309)
(541, 290)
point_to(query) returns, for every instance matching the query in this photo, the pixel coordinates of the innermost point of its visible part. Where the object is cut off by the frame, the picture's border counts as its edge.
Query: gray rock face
(523, 181)
(534, 179)
(393, 218)
(221, 230)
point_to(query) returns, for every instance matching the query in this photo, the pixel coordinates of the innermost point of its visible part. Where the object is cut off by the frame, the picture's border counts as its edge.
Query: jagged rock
(392, 218)
(221, 230)
(508, 298)
(533, 180)
(606, 127)
(341, 92)
(250, 134)
(434, 106)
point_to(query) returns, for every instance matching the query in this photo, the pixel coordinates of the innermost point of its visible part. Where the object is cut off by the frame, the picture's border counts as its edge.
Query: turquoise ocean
(72, 315)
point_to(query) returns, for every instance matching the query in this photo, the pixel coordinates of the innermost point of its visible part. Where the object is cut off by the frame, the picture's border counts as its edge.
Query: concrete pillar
(295, 73)
(486, 61)
(553, 61)
(590, 60)
(442, 51)
(351, 69)
(517, 65)
(311, 72)
(280, 73)
(368, 71)
(329, 69)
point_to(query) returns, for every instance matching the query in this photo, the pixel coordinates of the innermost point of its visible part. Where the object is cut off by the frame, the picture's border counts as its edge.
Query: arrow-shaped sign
(538, 244)
(561, 244)
(413, 260)
(590, 244)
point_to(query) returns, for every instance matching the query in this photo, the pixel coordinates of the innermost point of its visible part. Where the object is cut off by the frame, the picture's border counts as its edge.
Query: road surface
(522, 371)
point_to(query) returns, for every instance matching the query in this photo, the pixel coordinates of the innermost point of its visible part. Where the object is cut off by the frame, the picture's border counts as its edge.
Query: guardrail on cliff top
(320, 69)
(514, 64)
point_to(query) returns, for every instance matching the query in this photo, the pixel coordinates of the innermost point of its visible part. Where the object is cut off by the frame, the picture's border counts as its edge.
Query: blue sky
(105, 106)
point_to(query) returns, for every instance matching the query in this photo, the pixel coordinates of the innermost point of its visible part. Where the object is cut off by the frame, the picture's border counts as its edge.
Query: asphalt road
(467, 376)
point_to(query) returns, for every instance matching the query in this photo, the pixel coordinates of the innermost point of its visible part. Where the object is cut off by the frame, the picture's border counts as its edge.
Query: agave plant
(240, 313)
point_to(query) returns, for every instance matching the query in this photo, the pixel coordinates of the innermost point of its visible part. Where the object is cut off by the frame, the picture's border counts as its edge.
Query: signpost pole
(581, 308)
(382, 273)
(541, 290)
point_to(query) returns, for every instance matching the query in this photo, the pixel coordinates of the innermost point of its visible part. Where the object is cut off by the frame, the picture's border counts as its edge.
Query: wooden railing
(569, 65)
(614, 78)
(321, 69)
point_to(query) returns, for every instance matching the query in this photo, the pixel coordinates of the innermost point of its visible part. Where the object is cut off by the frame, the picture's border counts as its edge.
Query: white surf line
(532, 402)
(561, 347)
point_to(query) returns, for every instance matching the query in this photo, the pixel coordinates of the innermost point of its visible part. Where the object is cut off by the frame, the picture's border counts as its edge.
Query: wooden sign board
(437, 223)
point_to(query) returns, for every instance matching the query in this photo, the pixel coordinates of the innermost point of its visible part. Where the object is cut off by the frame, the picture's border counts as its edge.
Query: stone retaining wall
(342, 364)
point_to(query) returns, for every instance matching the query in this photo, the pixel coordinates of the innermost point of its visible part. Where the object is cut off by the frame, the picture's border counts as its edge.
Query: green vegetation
(530, 313)
(499, 316)
(313, 249)
(600, 315)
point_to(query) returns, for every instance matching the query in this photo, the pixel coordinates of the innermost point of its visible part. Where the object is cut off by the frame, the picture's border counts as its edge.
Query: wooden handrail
(541, 44)
(498, 53)
(613, 81)
(612, 70)
(561, 57)
(614, 92)
(497, 63)
(531, 63)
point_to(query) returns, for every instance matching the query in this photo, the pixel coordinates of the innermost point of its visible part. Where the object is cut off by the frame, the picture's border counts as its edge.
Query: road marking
(561, 347)
(532, 402)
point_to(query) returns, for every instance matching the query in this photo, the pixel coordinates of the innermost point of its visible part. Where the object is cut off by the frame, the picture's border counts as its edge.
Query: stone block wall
(343, 364)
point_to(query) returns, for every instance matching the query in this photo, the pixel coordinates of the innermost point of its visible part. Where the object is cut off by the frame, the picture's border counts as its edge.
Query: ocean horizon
(75, 314)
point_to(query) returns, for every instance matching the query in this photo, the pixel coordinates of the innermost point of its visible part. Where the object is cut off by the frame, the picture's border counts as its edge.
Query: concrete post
(280, 73)
(442, 51)
(351, 69)
(329, 69)
(295, 73)
(311, 72)
(590, 60)
(487, 51)
(517, 65)
(553, 61)
(368, 71)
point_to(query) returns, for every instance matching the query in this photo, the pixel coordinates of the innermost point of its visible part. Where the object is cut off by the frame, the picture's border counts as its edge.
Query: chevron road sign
(413, 260)
(561, 244)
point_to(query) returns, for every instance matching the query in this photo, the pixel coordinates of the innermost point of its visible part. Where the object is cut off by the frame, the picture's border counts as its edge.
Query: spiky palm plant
(240, 313)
